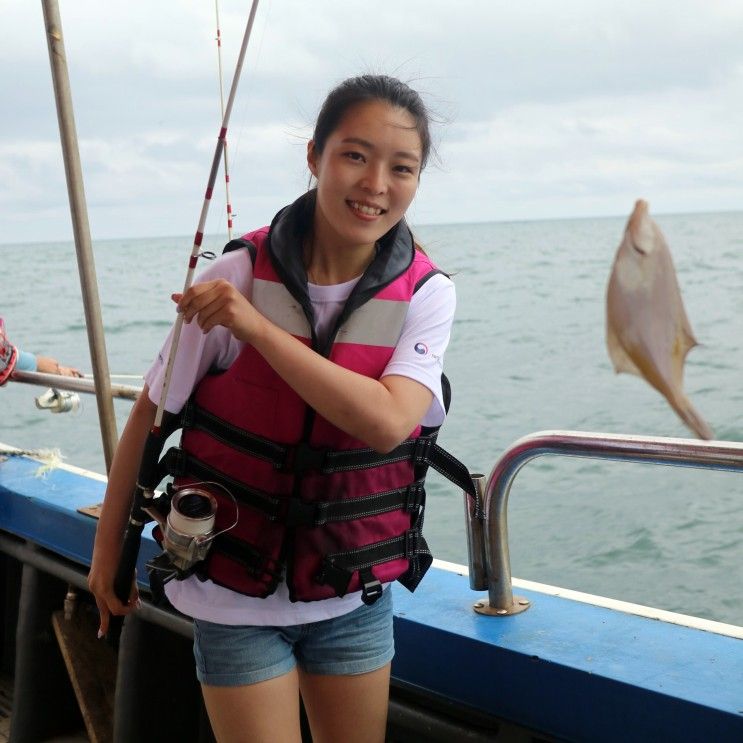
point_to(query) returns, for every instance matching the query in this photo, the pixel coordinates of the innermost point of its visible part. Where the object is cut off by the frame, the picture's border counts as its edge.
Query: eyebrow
(405, 154)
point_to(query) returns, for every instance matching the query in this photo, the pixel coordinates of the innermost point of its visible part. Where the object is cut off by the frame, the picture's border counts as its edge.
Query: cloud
(548, 110)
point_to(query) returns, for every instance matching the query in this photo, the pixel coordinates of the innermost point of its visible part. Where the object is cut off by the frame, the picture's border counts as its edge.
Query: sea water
(527, 354)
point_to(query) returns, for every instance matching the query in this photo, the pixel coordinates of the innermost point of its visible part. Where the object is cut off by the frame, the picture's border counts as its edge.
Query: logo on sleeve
(421, 348)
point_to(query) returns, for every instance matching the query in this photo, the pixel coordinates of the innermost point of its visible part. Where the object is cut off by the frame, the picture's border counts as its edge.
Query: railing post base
(519, 604)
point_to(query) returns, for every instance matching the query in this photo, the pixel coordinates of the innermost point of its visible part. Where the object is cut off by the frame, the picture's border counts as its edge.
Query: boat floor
(6, 699)
(6, 704)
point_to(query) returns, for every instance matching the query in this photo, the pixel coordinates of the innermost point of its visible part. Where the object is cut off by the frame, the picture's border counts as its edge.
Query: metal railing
(487, 520)
(74, 384)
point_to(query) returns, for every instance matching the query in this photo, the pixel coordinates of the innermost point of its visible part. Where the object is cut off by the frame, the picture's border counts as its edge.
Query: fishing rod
(221, 104)
(144, 493)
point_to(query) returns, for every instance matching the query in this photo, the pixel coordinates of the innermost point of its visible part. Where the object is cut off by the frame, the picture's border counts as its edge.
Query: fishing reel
(187, 530)
(58, 401)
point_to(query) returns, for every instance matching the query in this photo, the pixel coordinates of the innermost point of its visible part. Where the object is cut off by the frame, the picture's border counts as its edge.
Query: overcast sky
(546, 109)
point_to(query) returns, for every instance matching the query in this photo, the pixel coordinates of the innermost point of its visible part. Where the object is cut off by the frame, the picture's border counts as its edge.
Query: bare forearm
(359, 405)
(122, 477)
(379, 413)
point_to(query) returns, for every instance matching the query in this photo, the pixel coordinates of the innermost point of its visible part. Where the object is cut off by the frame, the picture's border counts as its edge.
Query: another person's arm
(48, 365)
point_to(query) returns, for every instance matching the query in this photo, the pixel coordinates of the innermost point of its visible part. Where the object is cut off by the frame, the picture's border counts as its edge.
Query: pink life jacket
(8, 355)
(315, 505)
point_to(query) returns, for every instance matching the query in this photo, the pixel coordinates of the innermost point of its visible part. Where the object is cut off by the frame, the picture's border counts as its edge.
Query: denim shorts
(354, 643)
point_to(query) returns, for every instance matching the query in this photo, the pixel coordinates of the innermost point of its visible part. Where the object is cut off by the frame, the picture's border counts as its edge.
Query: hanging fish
(647, 330)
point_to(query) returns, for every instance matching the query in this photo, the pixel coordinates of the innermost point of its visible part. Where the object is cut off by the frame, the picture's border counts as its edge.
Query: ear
(312, 157)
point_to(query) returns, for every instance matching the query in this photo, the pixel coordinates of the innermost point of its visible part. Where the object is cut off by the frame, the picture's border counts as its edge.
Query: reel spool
(58, 401)
(189, 528)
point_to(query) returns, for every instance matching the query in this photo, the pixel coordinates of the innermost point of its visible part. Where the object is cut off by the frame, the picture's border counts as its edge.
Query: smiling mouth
(366, 209)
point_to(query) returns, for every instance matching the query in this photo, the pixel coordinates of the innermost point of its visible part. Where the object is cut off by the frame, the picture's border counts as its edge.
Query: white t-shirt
(419, 355)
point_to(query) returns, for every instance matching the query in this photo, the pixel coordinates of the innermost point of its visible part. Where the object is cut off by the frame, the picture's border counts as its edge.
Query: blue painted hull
(565, 669)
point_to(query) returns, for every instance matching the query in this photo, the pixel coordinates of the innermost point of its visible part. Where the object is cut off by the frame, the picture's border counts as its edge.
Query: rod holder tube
(475, 529)
(81, 227)
(718, 455)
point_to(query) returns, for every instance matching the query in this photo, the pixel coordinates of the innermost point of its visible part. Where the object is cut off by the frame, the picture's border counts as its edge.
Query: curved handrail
(496, 573)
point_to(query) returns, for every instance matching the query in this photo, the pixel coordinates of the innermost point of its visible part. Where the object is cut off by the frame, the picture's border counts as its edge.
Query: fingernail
(100, 634)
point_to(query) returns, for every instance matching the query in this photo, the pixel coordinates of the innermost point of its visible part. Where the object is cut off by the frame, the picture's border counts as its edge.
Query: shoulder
(250, 242)
(435, 286)
(235, 267)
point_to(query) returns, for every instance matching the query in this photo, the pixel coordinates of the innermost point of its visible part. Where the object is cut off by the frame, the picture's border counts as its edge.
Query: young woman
(331, 326)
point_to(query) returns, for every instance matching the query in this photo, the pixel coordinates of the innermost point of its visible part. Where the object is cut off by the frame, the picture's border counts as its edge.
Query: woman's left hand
(219, 303)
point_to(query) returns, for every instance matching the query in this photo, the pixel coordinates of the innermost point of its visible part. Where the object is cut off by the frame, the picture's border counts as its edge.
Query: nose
(374, 180)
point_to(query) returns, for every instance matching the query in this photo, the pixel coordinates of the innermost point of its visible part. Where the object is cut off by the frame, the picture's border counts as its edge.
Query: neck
(326, 266)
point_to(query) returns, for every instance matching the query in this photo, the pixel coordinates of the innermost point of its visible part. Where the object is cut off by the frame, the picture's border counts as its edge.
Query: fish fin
(683, 343)
(619, 357)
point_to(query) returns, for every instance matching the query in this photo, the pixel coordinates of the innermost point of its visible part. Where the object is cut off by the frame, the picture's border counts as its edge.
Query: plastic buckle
(336, 577)
(371, 588)
(413, 497)
(299, 513)
(303, 457)
(420, 452)
(411, 542)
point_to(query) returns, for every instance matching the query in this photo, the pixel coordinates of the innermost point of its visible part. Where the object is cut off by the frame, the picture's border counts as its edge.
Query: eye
(404, 169)
(355, 156)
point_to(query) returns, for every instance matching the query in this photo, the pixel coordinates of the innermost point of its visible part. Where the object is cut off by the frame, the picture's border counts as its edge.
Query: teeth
(372, 211)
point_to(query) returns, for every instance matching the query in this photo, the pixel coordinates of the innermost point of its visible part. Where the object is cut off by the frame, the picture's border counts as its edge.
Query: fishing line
(235, 149)
(199, 236)
(221, 105)
(149, 472)
(117, 376)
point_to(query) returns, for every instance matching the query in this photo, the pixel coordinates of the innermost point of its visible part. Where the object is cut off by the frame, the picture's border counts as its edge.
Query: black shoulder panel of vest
(240, 243)
(446, 391)
(395, 251)
(433, 272)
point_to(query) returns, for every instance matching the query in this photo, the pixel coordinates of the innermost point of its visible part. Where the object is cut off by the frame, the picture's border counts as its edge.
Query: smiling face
(367, 175)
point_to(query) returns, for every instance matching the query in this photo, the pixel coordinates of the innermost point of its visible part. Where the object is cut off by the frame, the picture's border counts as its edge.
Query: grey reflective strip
(378, 322)
(273, 300)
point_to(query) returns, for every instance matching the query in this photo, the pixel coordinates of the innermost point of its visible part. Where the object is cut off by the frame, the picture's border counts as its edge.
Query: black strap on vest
(292, 511)
(240, 243)
(338, 569)
(257, 565)
(303, 457)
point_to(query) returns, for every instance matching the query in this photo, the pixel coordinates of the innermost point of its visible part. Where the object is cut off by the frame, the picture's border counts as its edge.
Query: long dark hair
(363, 88)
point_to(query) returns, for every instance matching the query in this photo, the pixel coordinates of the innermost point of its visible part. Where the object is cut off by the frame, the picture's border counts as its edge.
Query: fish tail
(693, 420)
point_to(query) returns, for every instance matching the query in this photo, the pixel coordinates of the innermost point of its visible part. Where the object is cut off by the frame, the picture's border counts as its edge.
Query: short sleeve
(26, 361)
(419, 353)
(199, 352)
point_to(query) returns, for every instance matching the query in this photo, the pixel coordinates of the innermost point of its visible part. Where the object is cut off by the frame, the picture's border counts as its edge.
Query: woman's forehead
(378, 123)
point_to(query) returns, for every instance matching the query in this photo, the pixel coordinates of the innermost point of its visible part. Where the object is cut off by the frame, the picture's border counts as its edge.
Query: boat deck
(570, 669)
